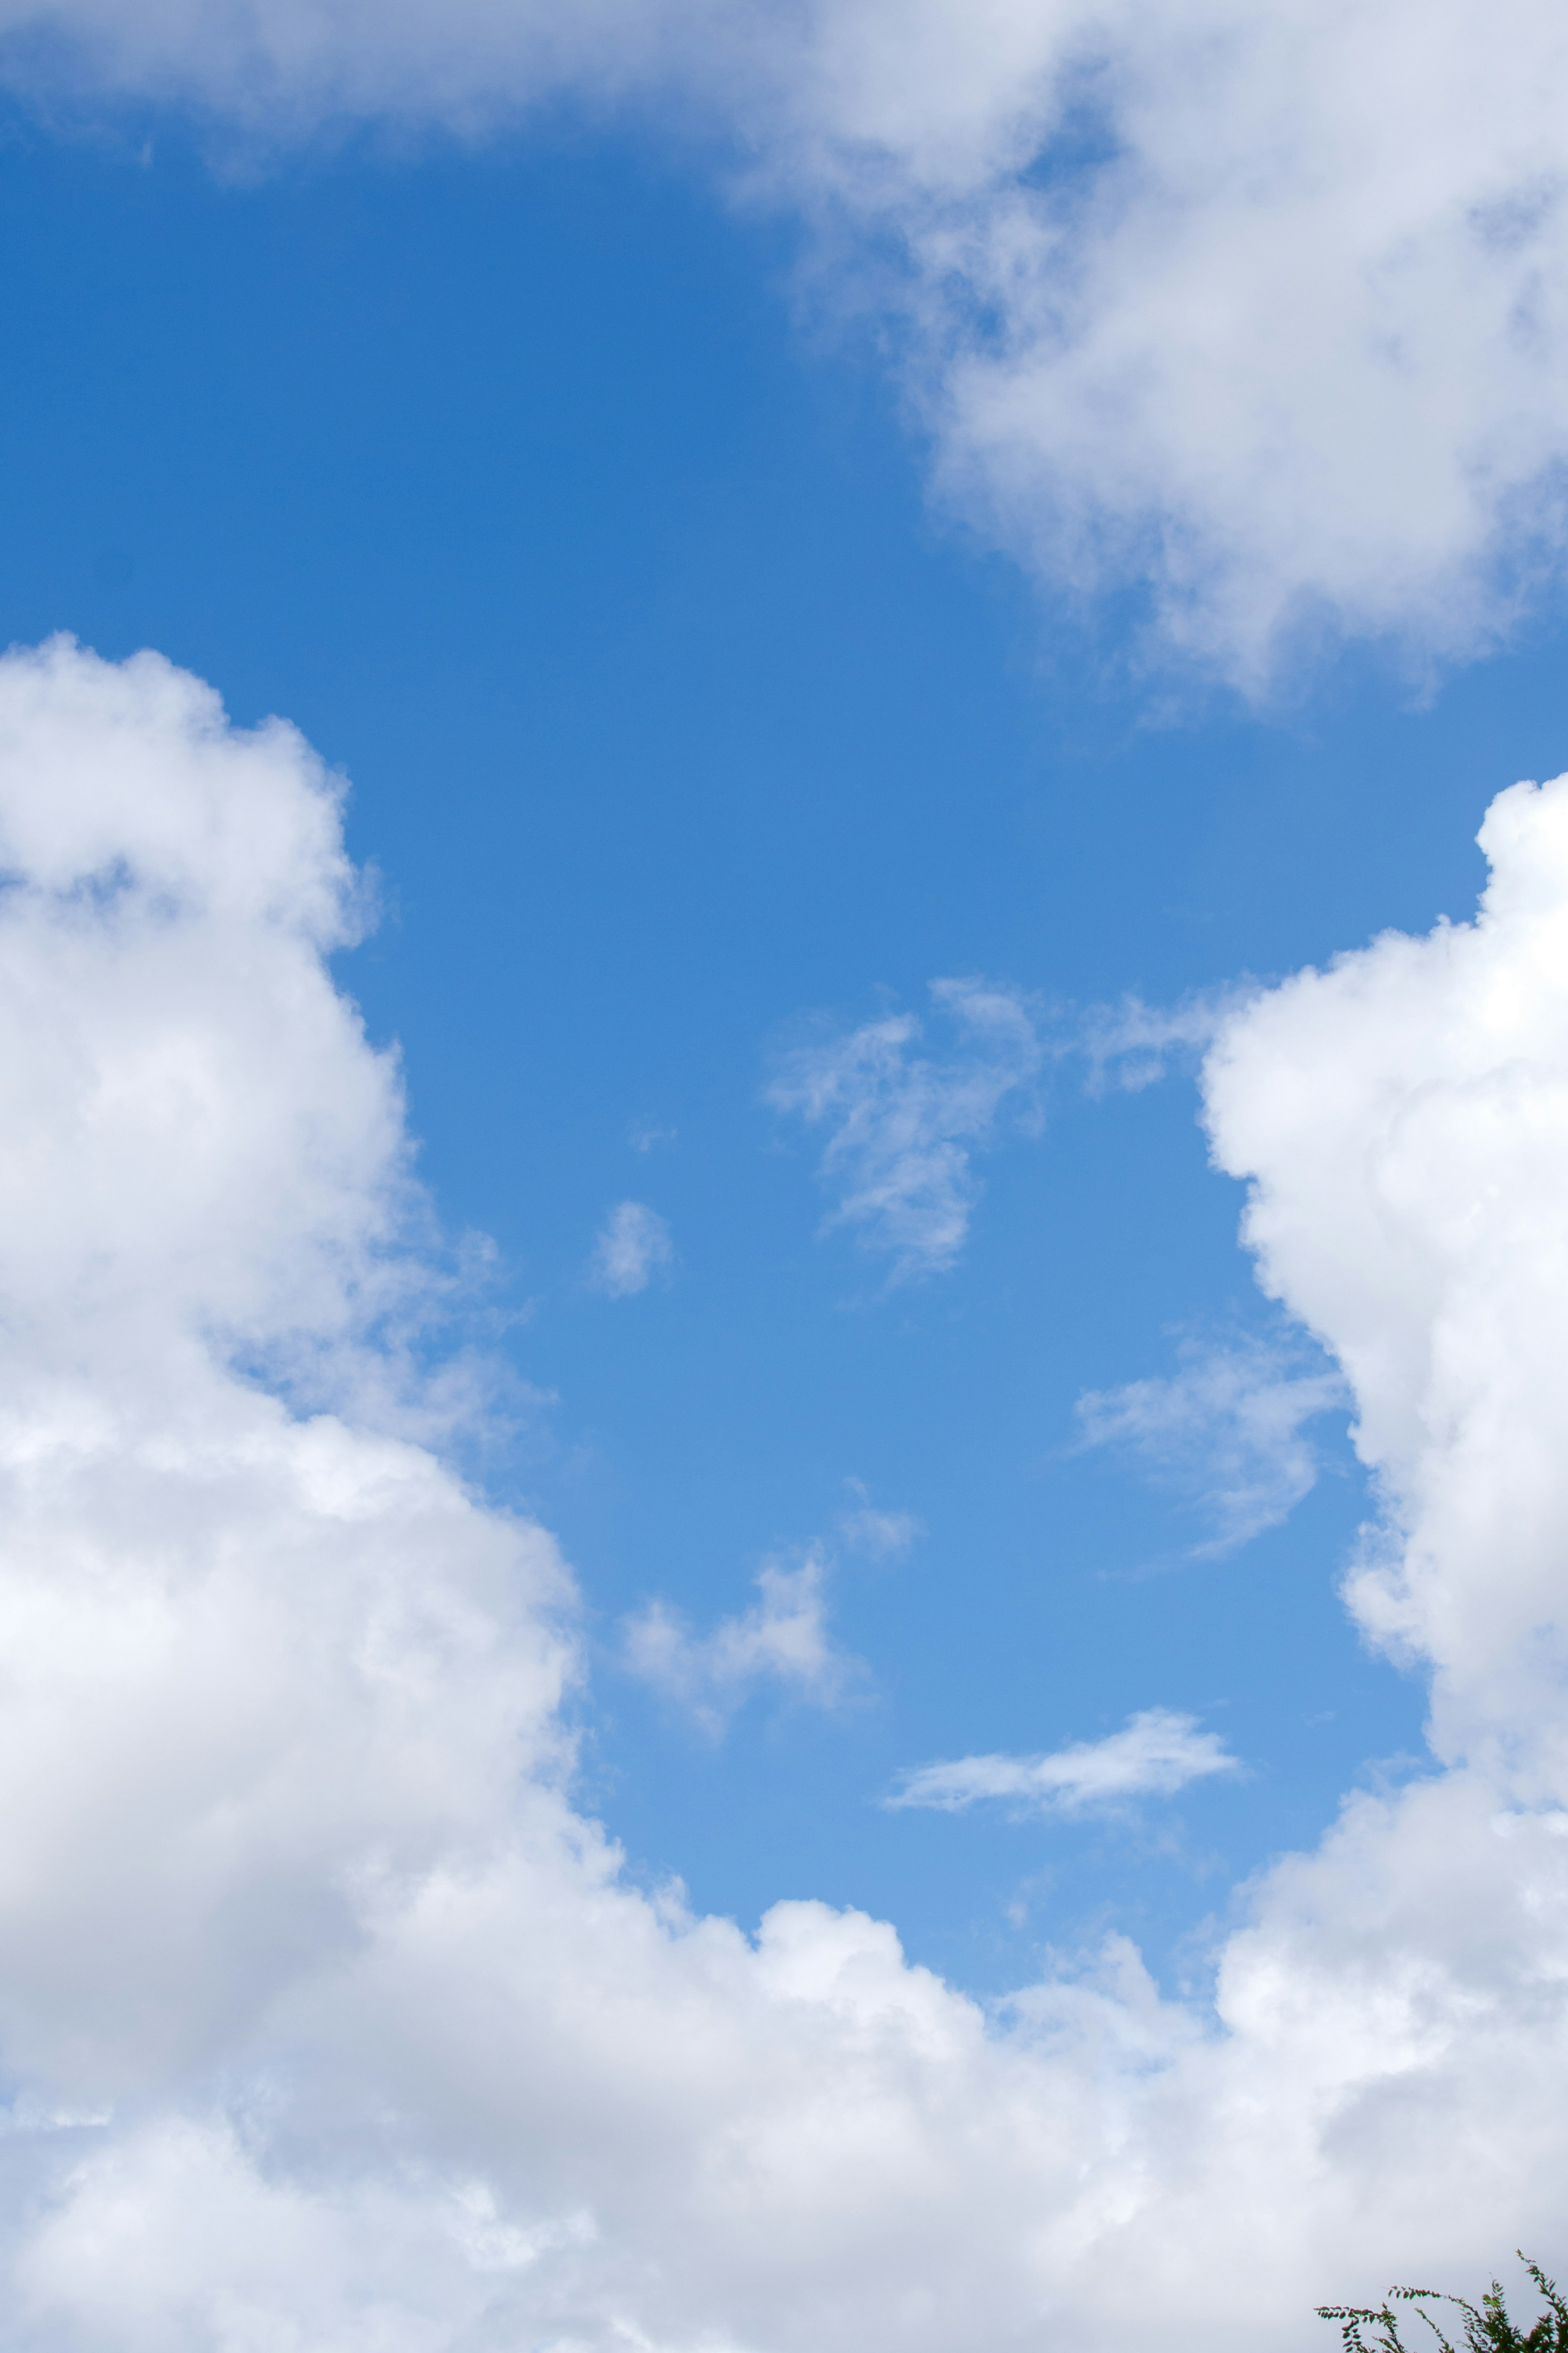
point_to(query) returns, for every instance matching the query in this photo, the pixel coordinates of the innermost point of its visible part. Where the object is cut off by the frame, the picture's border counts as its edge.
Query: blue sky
(695, 722)
(673, 717)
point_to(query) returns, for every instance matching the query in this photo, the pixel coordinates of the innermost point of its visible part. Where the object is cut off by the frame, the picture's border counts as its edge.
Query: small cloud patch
(634, 1246)
(1155, 1753)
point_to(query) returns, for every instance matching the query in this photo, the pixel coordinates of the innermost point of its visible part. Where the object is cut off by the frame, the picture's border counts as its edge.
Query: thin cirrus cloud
(632, 1246)
(1155, 1753)
(476, 2083)
(903, 1124)
(1228, 1433)
(1223, 304)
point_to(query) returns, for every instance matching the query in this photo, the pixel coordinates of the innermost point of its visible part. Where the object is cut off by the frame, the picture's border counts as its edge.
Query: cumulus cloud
(1226, 1433)
(1155, 1753)
(327, 2018)
(1259, 311)
(1402, 1118)
(782, 1640)
(631, 1250)
(903, 1125)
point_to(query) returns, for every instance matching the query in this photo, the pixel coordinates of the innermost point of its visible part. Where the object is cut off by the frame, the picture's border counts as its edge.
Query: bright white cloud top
(1154, 1755)
(331, 2022)
(1263, 308)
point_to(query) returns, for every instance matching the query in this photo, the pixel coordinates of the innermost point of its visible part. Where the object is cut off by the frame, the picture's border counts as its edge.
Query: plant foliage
(1487, 2327)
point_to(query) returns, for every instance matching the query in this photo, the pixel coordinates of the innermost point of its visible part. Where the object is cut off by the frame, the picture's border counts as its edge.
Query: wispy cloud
(880, 1536)
(783, 1640)
(1155, 1753)
(1226, 1433)
(1130, 1044)
(632, 1246)
(904, 1123)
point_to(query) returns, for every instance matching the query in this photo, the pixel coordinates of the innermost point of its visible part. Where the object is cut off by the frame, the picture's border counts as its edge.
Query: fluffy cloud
(1404, 1118)
(1259, 309)
(326, 2019)
(1226, 1433)
(903, 1125)
(1155, 1753)
(633, 1247)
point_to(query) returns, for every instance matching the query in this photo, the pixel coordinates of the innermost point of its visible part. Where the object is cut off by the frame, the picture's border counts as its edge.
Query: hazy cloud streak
(1156, 1753)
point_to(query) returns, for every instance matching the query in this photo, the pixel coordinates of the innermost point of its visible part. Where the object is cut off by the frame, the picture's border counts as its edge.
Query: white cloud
(1156, 1753)
(903, 1125)
(1241, 303)
(782, 1640)
(1265, 309)
(631, 1250)
(326, 2019)
(880, 1534)
(1226, 1433)
(1132, 1045)
(1404, 1119)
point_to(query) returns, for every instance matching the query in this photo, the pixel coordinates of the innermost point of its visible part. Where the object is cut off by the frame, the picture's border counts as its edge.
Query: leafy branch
(1487, 2327)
